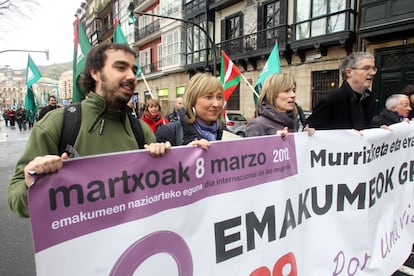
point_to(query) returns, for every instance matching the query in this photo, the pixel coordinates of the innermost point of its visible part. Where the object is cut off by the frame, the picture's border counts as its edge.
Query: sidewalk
(2, 135)
(7, 133)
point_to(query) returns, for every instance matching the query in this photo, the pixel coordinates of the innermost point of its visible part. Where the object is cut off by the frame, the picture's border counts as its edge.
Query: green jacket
(100, 132)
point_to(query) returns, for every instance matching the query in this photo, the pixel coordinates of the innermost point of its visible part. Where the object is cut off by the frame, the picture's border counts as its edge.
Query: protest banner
(335, 203)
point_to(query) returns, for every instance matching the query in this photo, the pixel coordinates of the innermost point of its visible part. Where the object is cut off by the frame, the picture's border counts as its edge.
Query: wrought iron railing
(262, 40)
(151, 68)
(147, 30)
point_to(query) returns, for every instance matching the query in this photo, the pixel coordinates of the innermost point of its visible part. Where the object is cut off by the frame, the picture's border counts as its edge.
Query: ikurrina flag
(229, 76)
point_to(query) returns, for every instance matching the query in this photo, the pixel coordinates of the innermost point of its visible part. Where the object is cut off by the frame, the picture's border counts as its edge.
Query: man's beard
(114, 99)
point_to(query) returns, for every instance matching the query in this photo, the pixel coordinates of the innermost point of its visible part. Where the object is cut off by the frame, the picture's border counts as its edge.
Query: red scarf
(154, 120)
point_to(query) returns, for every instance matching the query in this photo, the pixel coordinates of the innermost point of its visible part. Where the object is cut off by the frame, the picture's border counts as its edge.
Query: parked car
(236, 123)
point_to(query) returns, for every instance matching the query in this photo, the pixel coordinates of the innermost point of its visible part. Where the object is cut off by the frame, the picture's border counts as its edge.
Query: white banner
(335, 203)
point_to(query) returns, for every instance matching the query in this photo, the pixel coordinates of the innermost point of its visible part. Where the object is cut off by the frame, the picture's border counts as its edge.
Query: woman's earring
(194, 111)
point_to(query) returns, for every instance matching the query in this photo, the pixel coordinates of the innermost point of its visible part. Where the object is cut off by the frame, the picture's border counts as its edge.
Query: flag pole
(119, 37)
(146, 84)
(248, 84)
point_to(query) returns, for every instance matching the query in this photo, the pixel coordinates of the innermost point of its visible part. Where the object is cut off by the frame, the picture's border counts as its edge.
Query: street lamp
(131, 9)
(28, 51)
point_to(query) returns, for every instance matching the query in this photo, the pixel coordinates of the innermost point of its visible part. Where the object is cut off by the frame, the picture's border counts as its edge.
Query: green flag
(272, 66)
(32, 72)
(118, 34)
(30, 101)
(120, 38)
(81, 49)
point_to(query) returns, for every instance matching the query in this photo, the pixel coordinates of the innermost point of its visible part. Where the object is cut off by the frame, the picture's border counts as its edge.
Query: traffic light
(132, 18)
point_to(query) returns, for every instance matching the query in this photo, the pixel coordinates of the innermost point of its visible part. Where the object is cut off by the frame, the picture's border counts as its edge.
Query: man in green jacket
(109, 75)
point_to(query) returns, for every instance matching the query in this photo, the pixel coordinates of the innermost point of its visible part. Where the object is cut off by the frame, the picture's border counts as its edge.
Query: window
(159, 65)
(319, 17)
(144, 21)
(116, 8)
(233, 27)
(169, 7)
(322, 83)
(268, 24)
(271, 17)
(232, 33)
(234, 101)
(172, 48)
(145, 60)
(196, 41)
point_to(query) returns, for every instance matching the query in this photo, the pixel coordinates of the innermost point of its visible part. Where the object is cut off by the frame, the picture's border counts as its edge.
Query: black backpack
(71, 125)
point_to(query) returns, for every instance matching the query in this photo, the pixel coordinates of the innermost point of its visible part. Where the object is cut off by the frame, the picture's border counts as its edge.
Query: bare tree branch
(13, 13)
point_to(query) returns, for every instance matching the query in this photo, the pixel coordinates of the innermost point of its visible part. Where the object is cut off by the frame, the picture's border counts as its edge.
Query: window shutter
(260, 15)
(223, 30)
(241, 24)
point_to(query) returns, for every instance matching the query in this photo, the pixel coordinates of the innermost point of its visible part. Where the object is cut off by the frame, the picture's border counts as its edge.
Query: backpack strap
(179, 133)
(137, 129)
(70, 128)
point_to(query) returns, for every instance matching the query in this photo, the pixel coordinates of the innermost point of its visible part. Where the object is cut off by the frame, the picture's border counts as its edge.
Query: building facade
(65, 87)
(313, 38)
(12, 88)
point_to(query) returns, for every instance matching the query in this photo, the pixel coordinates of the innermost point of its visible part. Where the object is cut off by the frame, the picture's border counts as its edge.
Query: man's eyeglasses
(366, 68)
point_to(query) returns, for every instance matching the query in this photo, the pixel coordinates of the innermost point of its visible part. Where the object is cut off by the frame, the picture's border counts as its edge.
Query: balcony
(194, 8)
(253, 46)
(218, 5)
(381, 18)
(147, 31)
(151, 68)
(106, 32)
(103, 9)
(143, 5)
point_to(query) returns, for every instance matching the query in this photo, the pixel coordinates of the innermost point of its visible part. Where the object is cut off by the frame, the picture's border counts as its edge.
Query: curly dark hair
(96, 61)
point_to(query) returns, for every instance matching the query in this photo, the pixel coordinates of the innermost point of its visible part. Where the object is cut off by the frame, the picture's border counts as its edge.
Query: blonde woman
(276, 111)
(200, 120)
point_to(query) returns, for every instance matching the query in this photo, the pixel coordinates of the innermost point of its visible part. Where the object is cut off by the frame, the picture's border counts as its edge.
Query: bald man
(173, 116)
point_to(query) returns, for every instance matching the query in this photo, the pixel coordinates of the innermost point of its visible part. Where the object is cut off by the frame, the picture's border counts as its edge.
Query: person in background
(301, 117)
(109, 78)
(173, 116)
(51, 106)
(141, 110)
(409, 91)
(351, 106)
(21, 118)
(11, 116)
(200, 119)
(152, 115)
(132, 108)
(5, 118)
(397, 109)
(276, 111)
